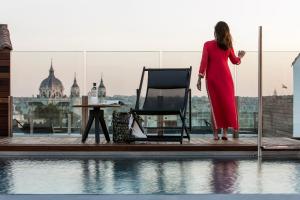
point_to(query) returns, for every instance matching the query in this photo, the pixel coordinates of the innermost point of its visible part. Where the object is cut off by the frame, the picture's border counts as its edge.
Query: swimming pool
(148, 176)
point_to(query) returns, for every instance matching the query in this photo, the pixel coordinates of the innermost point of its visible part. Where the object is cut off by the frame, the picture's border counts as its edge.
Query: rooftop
(5, 43)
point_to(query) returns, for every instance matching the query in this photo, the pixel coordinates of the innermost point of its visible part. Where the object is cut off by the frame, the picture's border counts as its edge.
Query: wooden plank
(4, 62)
(3, 102)
(121, 148)
(4, 94)
(10, 115)
(3, 126)
(4, 55)
(4, 69)
(4, 75)
(66, 143)
(74, 144)
(4, 91)
(4, 121)
(3, 116)
(4, 88)
(3, 132)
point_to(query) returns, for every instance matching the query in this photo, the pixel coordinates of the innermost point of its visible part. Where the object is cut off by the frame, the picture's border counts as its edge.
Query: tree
(48, 112)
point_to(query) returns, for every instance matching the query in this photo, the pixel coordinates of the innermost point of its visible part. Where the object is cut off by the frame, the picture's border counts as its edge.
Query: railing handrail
(139, 51)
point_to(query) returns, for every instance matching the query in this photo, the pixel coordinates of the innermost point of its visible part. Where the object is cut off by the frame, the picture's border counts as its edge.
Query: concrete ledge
(131, 154)
(126, 147)
(151, 154)
(155, 197)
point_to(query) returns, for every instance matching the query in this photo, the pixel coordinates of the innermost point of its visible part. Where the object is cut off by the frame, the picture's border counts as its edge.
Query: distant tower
(101, 89)
(75, 91)
(275, 93)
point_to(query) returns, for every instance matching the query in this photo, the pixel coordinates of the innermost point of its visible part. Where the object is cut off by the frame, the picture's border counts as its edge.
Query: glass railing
(33, 115)
(245, 80)
(200, 115)
(280, 103)
(41, 90)
(38, 110)
(246, 89)
(120, 73)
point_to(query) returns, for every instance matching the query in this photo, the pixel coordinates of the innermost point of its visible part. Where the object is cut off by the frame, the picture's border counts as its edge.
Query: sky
(147, 25)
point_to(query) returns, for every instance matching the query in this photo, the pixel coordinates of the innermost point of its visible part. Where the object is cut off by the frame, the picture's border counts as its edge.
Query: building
(51, 87)
(75, 91)
(101, 89)
(296, 100)
(5, 48)
(51, 97)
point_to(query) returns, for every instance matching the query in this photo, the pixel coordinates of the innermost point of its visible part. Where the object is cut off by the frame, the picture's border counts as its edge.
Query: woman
(214, 67)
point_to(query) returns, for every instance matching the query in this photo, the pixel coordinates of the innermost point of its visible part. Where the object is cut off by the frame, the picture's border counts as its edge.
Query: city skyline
(122, 70)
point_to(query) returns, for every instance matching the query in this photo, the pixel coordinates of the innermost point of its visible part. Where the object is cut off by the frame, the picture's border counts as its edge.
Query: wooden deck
(71, 143)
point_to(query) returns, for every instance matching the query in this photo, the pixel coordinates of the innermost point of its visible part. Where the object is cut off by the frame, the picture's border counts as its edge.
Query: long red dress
(220, 89)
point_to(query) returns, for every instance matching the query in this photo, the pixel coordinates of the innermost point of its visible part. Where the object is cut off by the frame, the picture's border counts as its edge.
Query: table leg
(97, 128)
(88, 126)
(103, 126)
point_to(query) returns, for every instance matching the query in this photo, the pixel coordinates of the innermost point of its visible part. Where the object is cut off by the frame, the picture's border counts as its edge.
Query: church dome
(51, 87)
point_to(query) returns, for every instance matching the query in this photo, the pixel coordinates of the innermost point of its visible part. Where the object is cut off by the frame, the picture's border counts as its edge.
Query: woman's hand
(199, 83)
(241, 54)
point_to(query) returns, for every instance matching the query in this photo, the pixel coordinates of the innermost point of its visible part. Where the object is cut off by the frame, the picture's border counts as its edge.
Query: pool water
(148, 176)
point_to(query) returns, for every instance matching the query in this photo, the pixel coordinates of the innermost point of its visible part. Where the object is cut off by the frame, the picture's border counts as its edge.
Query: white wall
(296, 109)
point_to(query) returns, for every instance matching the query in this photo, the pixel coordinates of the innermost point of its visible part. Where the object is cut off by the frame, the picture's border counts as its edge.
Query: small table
(98, 114)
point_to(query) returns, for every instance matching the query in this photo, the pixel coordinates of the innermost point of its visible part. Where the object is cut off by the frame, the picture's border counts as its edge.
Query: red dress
(219, 84)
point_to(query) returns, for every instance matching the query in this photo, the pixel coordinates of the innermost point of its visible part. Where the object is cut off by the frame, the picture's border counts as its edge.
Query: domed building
(75, 92)
(51, 87)
(101, 89)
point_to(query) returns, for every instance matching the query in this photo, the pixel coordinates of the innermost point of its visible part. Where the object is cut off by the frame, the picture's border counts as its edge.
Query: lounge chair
(168, 93)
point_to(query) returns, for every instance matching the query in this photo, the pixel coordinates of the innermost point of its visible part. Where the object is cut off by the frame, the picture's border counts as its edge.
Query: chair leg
(184, 128)
(187, 132)
(88, 126)
(137, 121)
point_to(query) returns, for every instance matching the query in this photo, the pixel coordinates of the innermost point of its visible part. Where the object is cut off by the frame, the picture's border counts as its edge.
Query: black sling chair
(168, 93)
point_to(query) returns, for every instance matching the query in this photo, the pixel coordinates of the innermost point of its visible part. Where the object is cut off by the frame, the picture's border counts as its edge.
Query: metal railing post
(237, 103)
(260, 116)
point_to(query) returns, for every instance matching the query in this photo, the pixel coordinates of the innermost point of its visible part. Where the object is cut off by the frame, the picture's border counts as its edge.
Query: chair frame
(181, 113)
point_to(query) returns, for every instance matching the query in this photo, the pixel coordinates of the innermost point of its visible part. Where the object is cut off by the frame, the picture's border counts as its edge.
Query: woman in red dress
(214, 67)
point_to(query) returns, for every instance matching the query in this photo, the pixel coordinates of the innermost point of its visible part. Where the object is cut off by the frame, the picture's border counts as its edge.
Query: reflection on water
(224, 176)
(148, 176)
